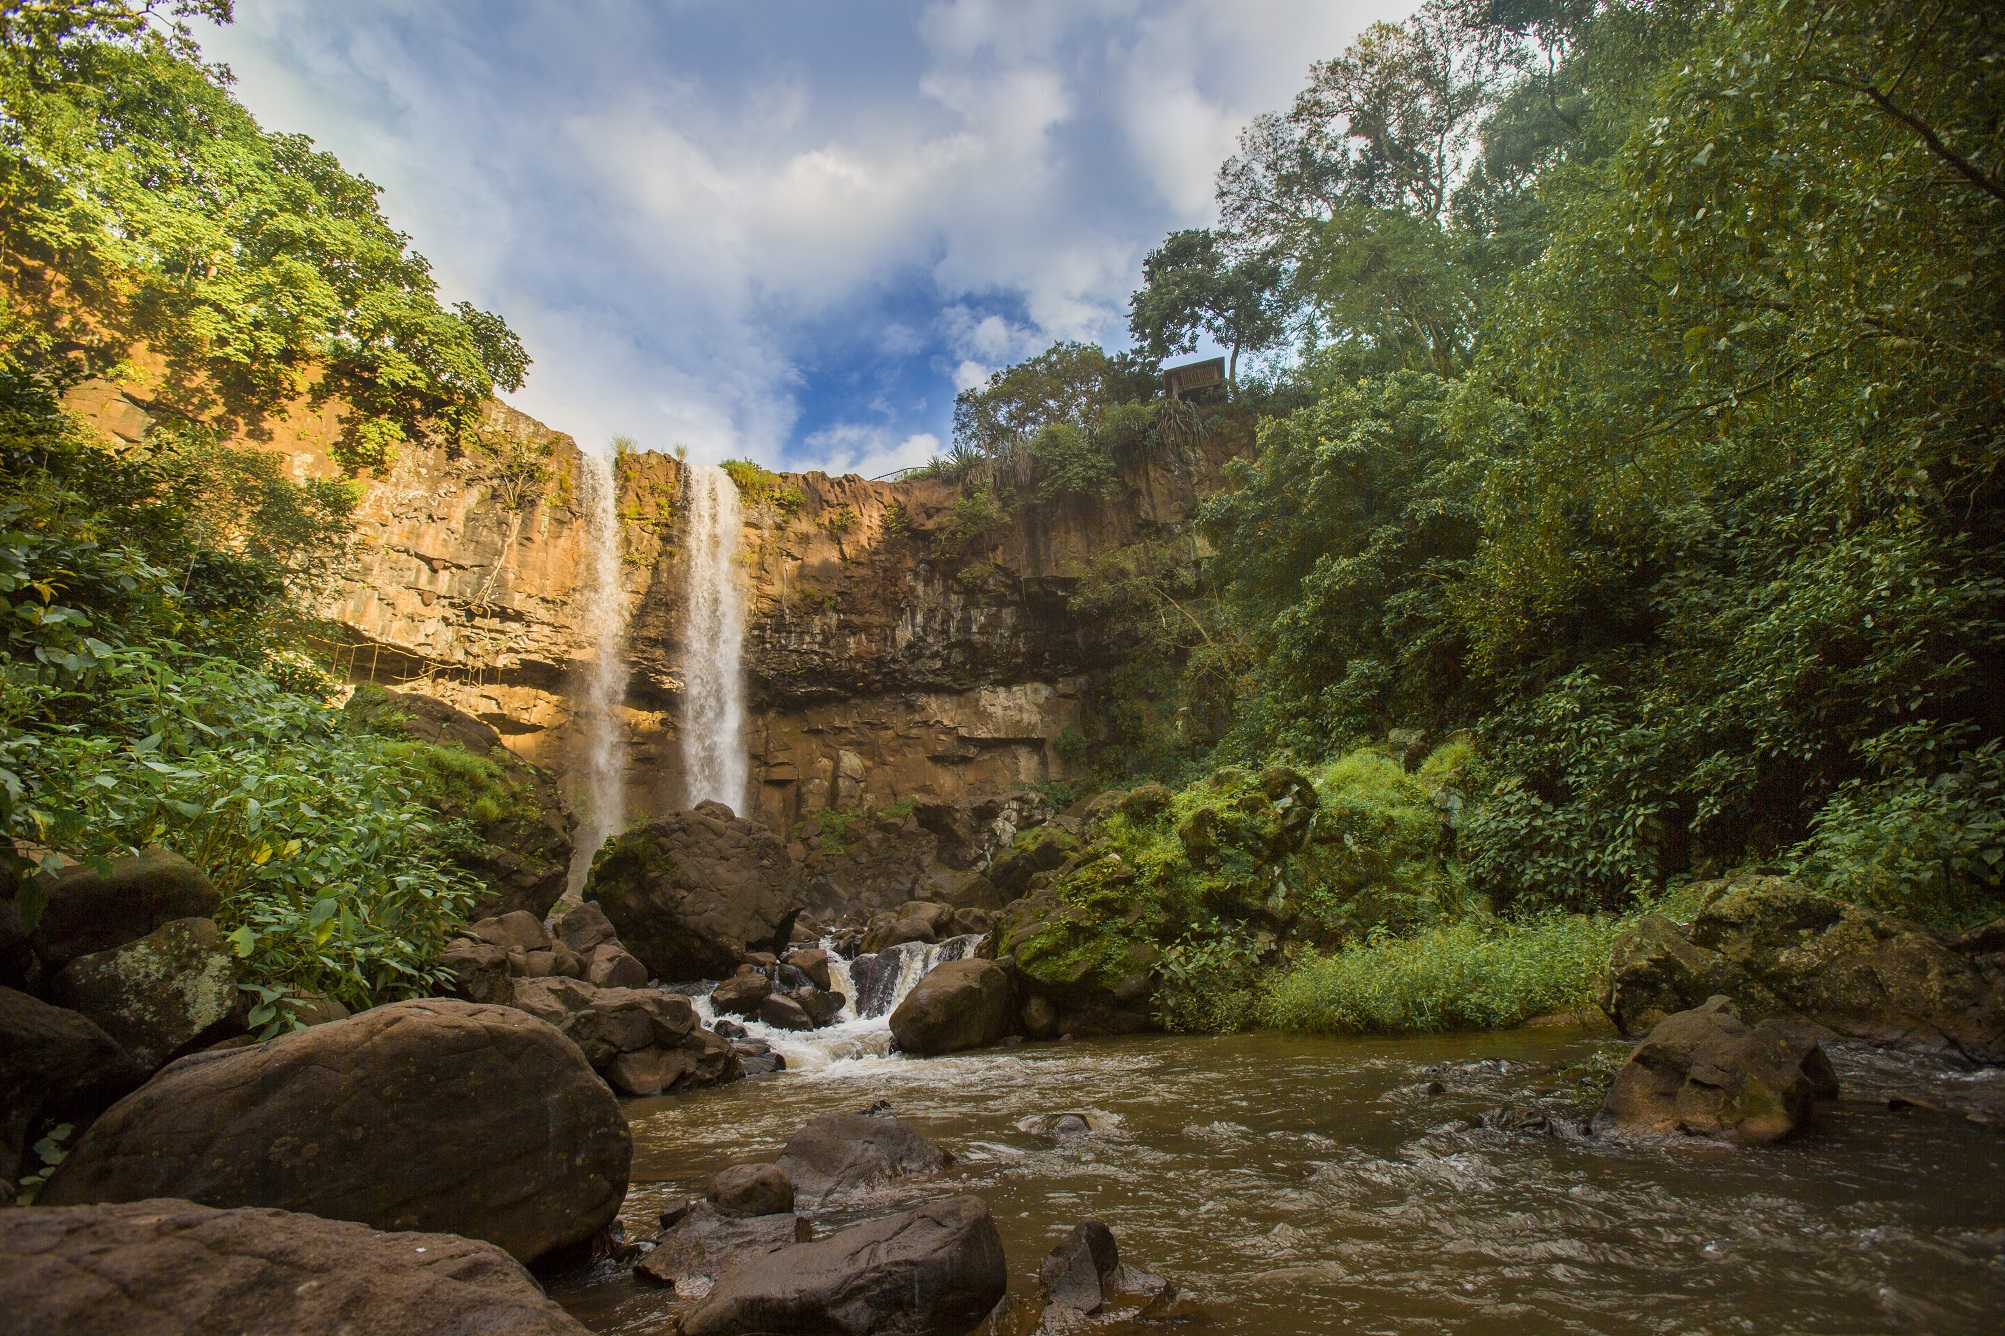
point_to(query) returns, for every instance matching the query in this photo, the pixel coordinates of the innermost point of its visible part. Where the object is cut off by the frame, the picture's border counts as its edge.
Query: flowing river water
(1368, 1185)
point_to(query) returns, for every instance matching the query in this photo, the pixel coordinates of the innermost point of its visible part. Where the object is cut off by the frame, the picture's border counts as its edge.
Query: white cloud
(677, 230)
(867, 451)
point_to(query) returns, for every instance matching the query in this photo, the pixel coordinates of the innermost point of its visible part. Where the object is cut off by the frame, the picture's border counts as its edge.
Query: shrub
(1477, 974)
(971, 525)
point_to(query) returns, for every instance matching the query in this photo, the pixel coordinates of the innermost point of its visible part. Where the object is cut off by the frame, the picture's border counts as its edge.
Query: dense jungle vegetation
(1628, 419)
(150, 231)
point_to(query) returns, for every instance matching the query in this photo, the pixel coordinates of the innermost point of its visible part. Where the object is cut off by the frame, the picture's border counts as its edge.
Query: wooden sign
(1181, 380)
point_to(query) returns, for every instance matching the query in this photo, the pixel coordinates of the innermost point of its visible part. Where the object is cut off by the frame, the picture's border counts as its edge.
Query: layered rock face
(879, 669)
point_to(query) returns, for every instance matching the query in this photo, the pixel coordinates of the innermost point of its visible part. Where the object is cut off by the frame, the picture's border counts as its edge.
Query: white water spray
(713, 692)
(606, 685)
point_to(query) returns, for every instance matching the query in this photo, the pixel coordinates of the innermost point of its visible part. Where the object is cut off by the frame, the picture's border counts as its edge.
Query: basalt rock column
(715, 764)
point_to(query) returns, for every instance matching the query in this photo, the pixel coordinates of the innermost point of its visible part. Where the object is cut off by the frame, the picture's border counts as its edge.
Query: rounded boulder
(960, 1004)
(434, 1115)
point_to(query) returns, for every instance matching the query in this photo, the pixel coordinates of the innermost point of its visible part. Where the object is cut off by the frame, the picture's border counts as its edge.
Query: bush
(1478, 974)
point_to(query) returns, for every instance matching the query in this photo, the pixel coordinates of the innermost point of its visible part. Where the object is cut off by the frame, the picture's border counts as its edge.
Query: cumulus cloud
(790, 230)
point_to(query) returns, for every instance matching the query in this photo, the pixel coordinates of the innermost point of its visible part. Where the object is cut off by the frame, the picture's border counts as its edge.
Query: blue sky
(776, 228)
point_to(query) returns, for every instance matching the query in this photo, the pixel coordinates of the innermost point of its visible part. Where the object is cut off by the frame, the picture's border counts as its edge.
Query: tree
(1190, 286)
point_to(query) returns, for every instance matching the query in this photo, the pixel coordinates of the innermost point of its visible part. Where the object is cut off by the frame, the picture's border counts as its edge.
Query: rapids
(1311, 1185)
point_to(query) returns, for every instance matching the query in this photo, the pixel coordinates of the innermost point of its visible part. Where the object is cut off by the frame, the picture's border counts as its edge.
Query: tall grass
(1475, 974)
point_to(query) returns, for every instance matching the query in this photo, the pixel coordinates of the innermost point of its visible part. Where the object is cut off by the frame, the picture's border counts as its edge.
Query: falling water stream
(713, 701)
(606, 684)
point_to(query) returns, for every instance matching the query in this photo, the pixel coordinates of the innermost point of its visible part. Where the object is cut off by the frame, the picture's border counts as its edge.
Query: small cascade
(715, 765)
(605, 625)
(864, 1029)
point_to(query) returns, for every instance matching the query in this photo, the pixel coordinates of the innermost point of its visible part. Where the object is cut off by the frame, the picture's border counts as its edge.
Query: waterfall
(605, 626)
(863, 1029)
(713, 691)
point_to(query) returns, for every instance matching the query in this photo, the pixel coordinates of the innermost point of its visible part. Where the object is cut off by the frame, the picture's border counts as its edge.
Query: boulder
(839, 1151)
(701, 1059)
(625, 1020)
(1706, 1073)
(939, 1269)
(479, 971)
(936, 916)
(1040, 850)
(609, 966)
(553, 1001)
(783, 1013)
(517, 930)
(583, 927)
(822, 1008)
(55, 1066)
(436, 1115)
(17, 947)
(742, 993)
(523, 856)
(644, 1042)
(888, 930)
(961, 1004)
(168, 1268)
(692, 893)
(1082, 1284)
(972, 923)
(172, 991)
(813, 962)
(1778, 949)
(751, 1189)
(701, 1244)
(90, 911)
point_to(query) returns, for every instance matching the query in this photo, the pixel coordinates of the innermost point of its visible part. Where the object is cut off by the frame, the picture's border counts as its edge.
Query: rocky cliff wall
(878, 670)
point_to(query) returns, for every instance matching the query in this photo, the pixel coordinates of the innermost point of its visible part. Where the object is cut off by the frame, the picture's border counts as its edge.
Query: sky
(780, 229)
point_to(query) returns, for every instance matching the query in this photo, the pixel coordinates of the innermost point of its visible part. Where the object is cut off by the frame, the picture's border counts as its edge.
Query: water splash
(714, 761)
(862, 1031)
(605, 626)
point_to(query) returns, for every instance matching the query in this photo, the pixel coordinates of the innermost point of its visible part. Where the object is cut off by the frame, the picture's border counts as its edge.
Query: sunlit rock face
(877, 669)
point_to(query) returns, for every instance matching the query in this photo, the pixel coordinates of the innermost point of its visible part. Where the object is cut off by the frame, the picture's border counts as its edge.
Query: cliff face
(878, 670)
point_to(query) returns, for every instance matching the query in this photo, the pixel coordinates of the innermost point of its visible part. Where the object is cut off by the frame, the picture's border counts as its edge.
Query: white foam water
(859, 1040)
(714, 761)
(605, 625)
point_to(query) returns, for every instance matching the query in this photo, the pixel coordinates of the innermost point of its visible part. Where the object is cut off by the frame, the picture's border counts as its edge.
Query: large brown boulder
(936, 1271)
(90, 911)
(1778, 949)
(692, 893)
(54, 1065)
(642, 1041)
(524, 853)
(172, 990)
(961, 1004)
(705, 1243)
(839, 1151)
(434, 1115)
(1706, 1073)
(173, 1268)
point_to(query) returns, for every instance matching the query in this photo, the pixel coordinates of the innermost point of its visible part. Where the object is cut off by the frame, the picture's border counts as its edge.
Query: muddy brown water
(1316, 1185)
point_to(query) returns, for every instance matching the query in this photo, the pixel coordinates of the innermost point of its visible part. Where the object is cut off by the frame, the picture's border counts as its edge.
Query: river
(1310, 1185)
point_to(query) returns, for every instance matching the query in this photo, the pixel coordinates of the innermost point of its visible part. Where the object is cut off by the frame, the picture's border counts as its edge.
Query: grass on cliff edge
(1474, 974)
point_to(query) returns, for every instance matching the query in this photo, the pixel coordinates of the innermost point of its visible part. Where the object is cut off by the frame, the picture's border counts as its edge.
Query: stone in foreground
(751, 1189)
(172, 1268)
(1706, 1073)
(89, 911)
(839, 1151)
(1082, 1283)
(704, 1244)
(435, 1115)
(936, 1271)
(959, 1005)
(54, 1064)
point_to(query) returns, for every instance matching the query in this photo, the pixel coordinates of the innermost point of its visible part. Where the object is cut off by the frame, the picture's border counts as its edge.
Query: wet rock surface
(751, 1189)
(171, 1268)
(643, 1041)
(935, 1270)
(1706, 1073)
(1776, 948)
(702, 1243)
(392, 1118)
(958, 1005)
(841, 1151)
(693, 893)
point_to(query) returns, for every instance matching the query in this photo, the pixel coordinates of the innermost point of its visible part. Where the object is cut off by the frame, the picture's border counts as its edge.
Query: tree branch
(1961, 166)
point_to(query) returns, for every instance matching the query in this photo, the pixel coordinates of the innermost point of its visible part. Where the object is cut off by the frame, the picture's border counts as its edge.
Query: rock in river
(837, 1151)
(693, 893)
(1706, 1073)
(751, 1189)
(704, 1243)
(435, 1115)
(961, 1004)
(173, 1268)
(1778, 949)
(936, 1271)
